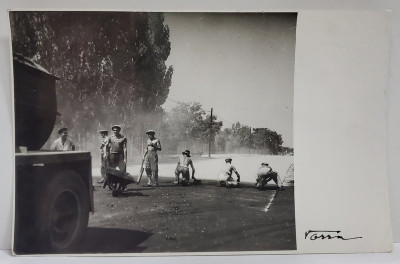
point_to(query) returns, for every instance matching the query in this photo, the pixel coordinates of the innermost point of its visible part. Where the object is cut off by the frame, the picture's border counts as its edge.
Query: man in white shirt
(225, 177)
(63, 143)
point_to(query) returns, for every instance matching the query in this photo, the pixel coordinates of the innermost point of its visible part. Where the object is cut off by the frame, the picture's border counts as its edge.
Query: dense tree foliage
(242, 138)
(264, 138)
(111, 64)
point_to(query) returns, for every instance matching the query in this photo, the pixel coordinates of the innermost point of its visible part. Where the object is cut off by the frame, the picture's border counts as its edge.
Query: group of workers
(114, 154)
(113, 151)
(264, 175)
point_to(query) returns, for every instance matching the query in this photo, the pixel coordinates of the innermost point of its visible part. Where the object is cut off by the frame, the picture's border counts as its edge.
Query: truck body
(53, 191)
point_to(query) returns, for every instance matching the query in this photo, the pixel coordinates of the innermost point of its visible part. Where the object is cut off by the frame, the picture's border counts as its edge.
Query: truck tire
(63, 213)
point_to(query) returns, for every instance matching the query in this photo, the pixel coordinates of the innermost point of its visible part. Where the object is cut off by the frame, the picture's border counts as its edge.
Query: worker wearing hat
(63, 143)
(266, 174)
(183, 168)
(104, 153)
(118, 149)
(225, 175)
(151, 158)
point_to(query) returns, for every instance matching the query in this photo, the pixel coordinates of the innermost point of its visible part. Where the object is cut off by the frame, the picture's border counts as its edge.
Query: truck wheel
(63, 213)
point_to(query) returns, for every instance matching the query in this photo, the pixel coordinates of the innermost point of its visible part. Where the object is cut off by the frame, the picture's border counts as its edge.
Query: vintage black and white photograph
(145, 132)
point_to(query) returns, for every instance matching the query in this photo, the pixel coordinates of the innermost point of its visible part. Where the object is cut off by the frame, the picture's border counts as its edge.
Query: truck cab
(53, 194)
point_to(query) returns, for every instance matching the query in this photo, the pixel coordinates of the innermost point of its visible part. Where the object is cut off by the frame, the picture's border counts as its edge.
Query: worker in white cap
(151, 158)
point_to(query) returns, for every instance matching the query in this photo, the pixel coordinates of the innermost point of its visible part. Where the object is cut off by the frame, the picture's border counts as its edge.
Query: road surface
(203, 218)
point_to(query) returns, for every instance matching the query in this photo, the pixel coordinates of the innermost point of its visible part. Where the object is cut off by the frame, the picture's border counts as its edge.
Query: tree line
(189, 122)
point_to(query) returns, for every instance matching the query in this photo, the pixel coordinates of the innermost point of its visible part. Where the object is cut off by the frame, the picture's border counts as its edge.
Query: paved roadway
(203, 218)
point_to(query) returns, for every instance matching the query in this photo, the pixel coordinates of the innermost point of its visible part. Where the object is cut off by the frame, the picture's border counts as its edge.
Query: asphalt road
(203, 218)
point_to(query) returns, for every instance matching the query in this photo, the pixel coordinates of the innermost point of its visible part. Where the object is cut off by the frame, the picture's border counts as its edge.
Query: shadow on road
(269, 187)
(113, 240)
(129, 193)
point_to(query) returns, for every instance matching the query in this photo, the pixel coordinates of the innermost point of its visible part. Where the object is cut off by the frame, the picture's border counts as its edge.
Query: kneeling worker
(226, 174)
(183, 168)
(265, 174)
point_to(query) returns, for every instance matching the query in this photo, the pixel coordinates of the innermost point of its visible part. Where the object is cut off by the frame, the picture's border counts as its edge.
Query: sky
(241, 65)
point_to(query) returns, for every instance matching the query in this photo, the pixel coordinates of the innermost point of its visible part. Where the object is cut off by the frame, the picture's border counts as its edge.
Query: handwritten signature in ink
(326, 234)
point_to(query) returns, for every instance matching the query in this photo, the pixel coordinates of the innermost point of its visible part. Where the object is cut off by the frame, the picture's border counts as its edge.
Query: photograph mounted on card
(151, 133)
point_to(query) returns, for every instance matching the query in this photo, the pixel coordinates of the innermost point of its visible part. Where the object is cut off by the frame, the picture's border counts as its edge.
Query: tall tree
(242, 134)
(111, 64)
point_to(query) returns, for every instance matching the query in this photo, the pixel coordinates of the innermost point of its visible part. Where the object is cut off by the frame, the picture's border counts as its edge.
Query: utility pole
(209, 139)
(250, 141)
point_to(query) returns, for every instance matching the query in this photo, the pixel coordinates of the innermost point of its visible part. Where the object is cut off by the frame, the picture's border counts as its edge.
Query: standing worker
(63, 143)
(183, 168)
(104, 152)
(265, 174)
(226, 174)
(118, 149)
(151, 158)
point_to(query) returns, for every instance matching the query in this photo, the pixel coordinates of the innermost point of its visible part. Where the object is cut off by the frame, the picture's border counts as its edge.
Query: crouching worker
(225, 177)
(183, 168)
(266, 174)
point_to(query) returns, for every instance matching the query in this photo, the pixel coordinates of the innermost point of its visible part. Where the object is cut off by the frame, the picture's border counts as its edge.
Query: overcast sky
(242, 65)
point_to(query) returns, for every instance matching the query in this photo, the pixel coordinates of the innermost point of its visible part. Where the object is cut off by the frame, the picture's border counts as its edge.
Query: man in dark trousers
(118, 149)
(151, 158)
(266, 174)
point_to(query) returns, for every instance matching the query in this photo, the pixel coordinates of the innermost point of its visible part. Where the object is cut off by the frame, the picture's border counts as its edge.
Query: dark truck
(53, 189)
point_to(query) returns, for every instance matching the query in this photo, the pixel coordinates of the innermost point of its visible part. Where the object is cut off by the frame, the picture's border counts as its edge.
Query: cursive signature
(326, 234)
